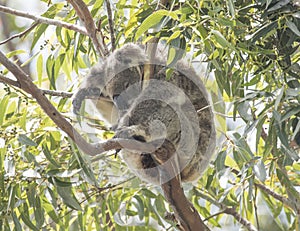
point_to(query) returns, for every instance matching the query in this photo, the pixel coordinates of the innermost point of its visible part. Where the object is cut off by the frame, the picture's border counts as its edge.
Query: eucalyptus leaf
(23, 139)
(152, 20)
(68, 197)
(260, 170)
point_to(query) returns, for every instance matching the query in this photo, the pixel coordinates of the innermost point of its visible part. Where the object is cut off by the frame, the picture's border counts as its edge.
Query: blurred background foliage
(247, 53)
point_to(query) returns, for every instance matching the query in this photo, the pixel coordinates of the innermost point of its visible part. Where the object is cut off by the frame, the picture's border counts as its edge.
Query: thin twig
(228, 210)
(19, 35)
(291, 201)
(111, 25)
(85, 15)
(240, 219)
(62, 94)
(275, 195)
(255, 209)
(11, 46)
(214, 215)
(43, 20)
(14, 83)
(6, 80)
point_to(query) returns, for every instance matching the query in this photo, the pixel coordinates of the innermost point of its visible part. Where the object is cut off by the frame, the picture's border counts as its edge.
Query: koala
(107, 80)
(175, 109)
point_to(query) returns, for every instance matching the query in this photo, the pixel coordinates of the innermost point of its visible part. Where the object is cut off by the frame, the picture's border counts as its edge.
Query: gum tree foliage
(252, 50)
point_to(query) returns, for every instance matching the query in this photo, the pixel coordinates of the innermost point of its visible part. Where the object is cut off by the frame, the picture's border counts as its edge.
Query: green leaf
(278, 5)
(279, 97)
(175, 53)
(51, 212)
(284, 180)
(175, 35)
(244, 111)
(87, 172)
(259, 129)
(160, 205)
(50, 64)
(68, 197)
(59, 183)
(231, 7)
(140, 207)
(16, 52)
(148, 193)
(59, 36)
(26, 217)
(263, 31)
(152, 20)
(221, 40)
(260, 170)
(98, 4)
(37, 34)
(242, 146)
(17, 223)
(31, 193)
(39, 212)
(293, 27)
(22, 119)
(3, 106)
(48, 155)
(220, 160)
(23, 139)
(39, 69)
(290, 113)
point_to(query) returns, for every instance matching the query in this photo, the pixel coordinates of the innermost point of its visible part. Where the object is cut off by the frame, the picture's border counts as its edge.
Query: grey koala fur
(177, 109)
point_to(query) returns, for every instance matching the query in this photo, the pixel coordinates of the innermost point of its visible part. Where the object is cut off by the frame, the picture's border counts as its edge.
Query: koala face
(110, 79)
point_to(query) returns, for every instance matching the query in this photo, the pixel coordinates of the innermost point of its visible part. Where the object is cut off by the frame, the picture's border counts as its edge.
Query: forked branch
(25, 83)
(85, 15)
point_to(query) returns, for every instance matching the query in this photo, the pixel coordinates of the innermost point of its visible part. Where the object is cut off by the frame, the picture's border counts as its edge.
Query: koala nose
(115, 97)
(139, 138)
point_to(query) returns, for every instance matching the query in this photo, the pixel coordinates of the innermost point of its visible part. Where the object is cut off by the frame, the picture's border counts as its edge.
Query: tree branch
(275, 195)
(11, 46)
(84, 14)
(19, 35)
(14, 83)
(62, 94)
(6, 80)
(230, 211)
(291, 201)
(186, 215)
(43, 20)
(26, 84)
(111, 25)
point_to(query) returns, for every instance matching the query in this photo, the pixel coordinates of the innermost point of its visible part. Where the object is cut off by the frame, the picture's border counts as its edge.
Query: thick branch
(40, 19)
(26, 84)
(84, 14)
(186, 215)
